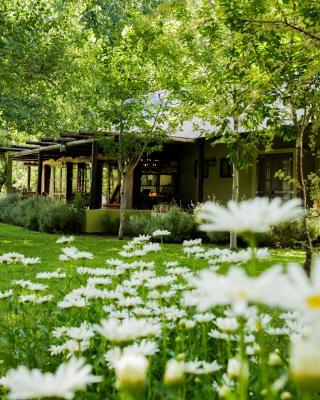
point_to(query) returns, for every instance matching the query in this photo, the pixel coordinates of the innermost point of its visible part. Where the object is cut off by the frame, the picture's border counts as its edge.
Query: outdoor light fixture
(62, 148)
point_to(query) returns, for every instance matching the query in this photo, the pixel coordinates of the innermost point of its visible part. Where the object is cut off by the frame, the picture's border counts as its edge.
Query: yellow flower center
(314, 301)
(242, 294)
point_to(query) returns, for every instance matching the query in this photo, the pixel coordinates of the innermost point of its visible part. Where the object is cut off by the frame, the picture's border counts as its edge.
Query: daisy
(6, 294)
(150, 247)
(140, 239)
(161, 233)
(254, 215)
(131, 371)
(201, 367)
(65, 239)
(192, 242)
(303, 293)
(235, 288)
(29, 384)
(304, 362)
(30, 260)
(70, 347)
(146, 347)
(49, 275)
(127, 330)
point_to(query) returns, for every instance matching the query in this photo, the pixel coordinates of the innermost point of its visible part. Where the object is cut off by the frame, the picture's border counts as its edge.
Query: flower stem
(252, 242)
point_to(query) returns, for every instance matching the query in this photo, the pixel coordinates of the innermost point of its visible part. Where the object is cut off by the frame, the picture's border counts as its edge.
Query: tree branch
(285, 24)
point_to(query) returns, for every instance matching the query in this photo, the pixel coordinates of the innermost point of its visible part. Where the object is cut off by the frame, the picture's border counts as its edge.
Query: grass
(26, 328)
(43, 245)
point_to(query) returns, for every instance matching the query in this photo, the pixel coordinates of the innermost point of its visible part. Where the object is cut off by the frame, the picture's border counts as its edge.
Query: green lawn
(26, 328)
(43, 245)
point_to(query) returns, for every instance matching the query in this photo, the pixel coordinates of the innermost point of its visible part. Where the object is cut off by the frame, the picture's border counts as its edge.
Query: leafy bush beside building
(40, 214)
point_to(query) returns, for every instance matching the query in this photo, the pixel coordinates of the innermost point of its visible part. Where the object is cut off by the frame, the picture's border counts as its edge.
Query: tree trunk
(128, 187)
(122, 204)
(8, 169)
(235, 197)
(303, 197)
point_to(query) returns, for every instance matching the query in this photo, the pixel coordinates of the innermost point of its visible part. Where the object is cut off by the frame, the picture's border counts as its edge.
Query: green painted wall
(214, 186)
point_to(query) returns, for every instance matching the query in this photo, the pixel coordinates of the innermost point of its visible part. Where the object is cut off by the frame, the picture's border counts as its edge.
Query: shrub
(59, 217)
(40, 213)
(111, 222)
(180, 223)
(218, 237)
(288, 234)
(80, 201)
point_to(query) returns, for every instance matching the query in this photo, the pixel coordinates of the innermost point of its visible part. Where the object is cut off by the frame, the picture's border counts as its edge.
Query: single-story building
(188, 170)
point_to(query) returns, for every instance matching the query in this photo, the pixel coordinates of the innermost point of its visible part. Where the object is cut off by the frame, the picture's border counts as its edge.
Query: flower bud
(235, 369)
(304, 363)
(174, 373)
(131, 371)
(274, 360)
(286, 396)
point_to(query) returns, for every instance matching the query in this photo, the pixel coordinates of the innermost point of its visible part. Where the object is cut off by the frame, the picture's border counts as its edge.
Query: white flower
(99, 281)
(134, 253)
(224, 388)
(174, 373)
(149, 247)
(31, 298)
(235, 368)
(83, 332)
(116, 262)
(160, 233)
(7, 293)
(140, 239)
(131, 371)
(169, 264)
(227, 324)
(71, 347)
(254, 215)
(49, 275)
(235, 288)
(201, 367)
(304, 362)
(202, 318)
(37, 286)
(95, 271)
(178, 271)
(159, 281)
(65, 239)
(193, 249)
(145, 347)
(29, 285)
(30, 260)
(299, 292)
(9, 258)
(64, 257)
(242, 256)
(187, 323)
(29, 384)
(192, 242)
(75, 254)
(127, 330)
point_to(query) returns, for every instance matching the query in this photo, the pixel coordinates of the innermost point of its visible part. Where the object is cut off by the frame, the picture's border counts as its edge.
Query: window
(226, 169)
(205, 169)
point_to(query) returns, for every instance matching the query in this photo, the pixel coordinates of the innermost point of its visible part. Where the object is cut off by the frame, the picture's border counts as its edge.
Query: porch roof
(69, 144)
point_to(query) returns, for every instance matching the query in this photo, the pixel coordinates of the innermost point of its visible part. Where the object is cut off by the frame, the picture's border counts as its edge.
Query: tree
(228, 87)
(285, 39)
(42, 47)
(133, 93)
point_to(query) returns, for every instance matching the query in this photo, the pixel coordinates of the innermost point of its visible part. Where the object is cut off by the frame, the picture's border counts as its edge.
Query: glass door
(269, 182)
